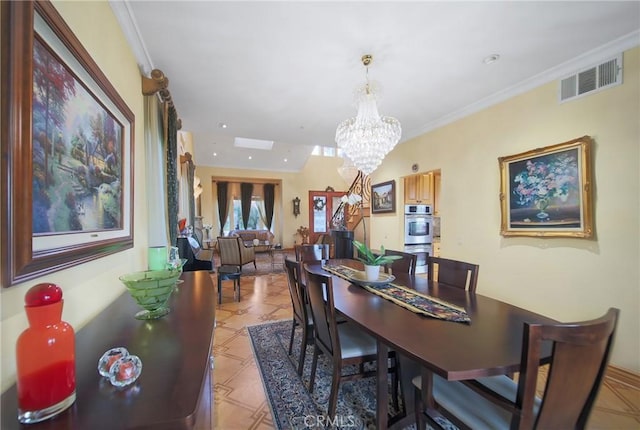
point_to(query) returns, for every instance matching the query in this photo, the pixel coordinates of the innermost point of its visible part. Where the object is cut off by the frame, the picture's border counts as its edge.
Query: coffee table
(277, 256)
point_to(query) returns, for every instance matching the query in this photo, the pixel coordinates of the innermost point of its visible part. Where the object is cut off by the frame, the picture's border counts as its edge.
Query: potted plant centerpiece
(372, 262)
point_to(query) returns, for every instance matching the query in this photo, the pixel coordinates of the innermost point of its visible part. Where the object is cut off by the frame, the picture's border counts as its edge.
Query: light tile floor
(239, 398)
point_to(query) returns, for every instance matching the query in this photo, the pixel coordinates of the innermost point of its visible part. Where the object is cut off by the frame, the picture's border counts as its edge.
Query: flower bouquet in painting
(544, 182)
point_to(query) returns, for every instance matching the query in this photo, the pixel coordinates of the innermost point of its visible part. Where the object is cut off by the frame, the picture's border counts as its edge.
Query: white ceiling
(287, 71)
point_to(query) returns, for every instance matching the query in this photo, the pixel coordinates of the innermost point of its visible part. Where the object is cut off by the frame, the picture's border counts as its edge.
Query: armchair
(233, 252)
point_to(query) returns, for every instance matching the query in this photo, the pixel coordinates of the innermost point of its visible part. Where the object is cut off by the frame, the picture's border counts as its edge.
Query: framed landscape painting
(547, 192)
(383, 197)
(70, 149)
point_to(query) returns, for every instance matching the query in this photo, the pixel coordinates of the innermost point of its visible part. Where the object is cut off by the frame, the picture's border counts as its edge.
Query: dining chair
(580, 352)
(301, 314)
(344, 344)
(312, 252)
(452, 272)
(406, 264)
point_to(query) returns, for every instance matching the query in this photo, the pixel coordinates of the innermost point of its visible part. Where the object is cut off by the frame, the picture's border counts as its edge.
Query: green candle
(157, 258)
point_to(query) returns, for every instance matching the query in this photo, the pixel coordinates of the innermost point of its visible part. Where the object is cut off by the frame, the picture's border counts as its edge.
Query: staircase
(352, 217)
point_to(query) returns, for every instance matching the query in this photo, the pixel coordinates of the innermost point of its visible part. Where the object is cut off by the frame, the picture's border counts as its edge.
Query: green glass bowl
(151, 290)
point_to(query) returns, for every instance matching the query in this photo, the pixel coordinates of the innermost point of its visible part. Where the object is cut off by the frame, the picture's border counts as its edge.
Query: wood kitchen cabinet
(418, 189)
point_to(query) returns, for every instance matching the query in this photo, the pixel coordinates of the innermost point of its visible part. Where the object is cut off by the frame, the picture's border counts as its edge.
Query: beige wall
(90, 287)
(566, 279)
(317, 174)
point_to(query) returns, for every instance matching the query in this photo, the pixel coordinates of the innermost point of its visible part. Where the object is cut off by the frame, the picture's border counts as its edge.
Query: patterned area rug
(291, 404)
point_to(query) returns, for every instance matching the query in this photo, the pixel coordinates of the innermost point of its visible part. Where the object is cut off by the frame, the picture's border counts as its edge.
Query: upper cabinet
(418, 189)
(424, 189)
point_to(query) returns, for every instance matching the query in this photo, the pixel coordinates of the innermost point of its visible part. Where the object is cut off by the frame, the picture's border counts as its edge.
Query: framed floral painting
(547, 192)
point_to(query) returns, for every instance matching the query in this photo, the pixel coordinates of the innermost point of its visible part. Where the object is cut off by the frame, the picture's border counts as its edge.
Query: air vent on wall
(604, 75)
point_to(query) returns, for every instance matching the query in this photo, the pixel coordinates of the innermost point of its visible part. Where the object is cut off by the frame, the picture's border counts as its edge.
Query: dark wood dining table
(489, 345)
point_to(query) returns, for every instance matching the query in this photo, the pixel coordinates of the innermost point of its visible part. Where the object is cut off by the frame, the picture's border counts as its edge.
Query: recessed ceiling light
(491, 58)
(215, 154)
(250, 157)
(285, 160)
(222, 125)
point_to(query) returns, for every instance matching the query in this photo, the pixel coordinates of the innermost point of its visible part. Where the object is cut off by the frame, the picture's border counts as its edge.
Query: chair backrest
(452, 272)
(407, 264)
(298, 299)
(578, 362)
(312, 252)
(229, 248)
(323, 312)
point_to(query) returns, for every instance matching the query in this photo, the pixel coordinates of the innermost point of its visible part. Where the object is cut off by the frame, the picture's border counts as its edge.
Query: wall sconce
(296, 207)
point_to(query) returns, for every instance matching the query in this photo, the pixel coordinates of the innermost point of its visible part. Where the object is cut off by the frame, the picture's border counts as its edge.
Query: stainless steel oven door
(421, 252)
(418, 229)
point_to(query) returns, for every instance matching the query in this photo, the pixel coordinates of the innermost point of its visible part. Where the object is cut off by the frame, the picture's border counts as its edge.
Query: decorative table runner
(406, 297)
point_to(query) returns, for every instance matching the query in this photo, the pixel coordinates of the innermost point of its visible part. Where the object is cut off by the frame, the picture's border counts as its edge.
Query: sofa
(265, 238)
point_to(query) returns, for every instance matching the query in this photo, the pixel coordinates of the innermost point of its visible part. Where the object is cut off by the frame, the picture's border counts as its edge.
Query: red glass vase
(45, 357)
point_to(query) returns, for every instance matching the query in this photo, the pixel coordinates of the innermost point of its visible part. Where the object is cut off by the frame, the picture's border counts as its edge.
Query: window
(327, 151)
(256, 216)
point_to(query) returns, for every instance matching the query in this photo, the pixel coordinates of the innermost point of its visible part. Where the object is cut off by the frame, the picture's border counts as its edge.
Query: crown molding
(127, 21)
(562, 70)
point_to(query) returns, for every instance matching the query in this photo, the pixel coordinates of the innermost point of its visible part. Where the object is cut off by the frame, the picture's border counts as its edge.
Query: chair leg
(333, 396)
(314, 363)
(395, 377)
(418, 409)
(293, 331)
(303, 353)
(219, 290)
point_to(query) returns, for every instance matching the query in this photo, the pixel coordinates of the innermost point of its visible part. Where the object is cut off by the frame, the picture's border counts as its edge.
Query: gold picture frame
(548, 192)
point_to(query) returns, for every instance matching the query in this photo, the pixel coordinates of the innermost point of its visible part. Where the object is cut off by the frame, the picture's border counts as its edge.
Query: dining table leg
(382, 390)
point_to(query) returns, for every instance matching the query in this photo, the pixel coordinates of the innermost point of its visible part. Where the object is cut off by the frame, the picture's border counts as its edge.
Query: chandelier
(369, 137)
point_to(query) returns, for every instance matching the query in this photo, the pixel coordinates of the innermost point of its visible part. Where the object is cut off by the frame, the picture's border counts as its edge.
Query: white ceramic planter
(372, 273)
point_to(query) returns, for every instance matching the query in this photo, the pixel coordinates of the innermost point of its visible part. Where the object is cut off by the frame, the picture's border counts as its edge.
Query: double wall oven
(418, 233)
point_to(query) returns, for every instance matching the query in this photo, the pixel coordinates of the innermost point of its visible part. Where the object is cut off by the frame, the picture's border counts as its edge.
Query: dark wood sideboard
(174, 389)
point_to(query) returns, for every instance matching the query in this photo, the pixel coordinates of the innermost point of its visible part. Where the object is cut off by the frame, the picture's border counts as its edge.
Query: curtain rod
(239, 181)
(159, 83)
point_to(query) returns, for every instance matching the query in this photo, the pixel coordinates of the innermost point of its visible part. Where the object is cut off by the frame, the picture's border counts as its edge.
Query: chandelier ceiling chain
(369, 137)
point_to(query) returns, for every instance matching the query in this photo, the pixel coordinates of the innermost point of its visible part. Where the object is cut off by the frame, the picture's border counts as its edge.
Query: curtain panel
(172, 172)
(246, 193)
(191, 172)
(269, 203)
(157, 227)
(222, 189)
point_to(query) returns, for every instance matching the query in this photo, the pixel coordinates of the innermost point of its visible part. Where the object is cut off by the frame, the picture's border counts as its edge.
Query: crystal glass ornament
(109, 358)
(125, 371)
